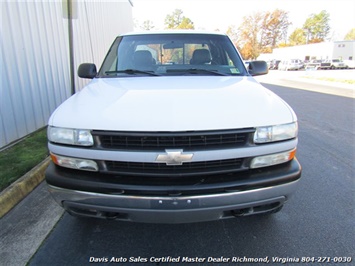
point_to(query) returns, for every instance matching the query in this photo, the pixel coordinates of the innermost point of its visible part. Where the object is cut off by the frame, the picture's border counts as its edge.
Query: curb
(18, 190)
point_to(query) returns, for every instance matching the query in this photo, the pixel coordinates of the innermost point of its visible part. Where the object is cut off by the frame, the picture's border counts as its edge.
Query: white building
(344, 50)
(41, 48)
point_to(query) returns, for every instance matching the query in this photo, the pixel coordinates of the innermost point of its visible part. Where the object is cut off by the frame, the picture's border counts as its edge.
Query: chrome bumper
(173, 209)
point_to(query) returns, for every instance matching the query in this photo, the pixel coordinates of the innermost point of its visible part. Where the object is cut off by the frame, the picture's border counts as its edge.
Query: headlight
(276, 133)
(70, 136)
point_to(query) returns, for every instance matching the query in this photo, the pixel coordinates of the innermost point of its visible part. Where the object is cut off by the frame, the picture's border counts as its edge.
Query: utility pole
(71, 46)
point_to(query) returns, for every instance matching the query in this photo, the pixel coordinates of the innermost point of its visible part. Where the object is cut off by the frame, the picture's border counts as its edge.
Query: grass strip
(348, 81)
(21, 157)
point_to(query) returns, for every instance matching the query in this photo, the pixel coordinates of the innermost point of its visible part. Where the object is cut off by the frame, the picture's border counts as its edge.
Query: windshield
(172, 54)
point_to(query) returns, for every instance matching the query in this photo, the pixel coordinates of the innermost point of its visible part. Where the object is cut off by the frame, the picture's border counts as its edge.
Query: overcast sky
(219, 14)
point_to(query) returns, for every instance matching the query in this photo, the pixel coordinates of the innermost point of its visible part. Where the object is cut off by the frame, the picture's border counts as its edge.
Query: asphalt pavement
(25, 227)
(322, 81)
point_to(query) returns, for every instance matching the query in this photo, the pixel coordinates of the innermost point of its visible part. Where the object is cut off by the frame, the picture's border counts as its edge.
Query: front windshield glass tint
(172, 54)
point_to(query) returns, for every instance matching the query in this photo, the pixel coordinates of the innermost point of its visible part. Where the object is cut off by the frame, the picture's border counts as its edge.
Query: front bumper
(254, 192)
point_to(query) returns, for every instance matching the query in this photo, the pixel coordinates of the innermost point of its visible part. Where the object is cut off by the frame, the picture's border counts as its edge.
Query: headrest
(142, 58)
(200, 56)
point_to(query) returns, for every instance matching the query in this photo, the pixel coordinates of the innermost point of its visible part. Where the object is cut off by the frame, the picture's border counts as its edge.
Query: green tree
(260, 32)
(249, 36)
(274, 28)
(232, 34)
(350, 36)
(317, 27)
(297, 37)
(186, 23)
(176, 20)
(147, 25)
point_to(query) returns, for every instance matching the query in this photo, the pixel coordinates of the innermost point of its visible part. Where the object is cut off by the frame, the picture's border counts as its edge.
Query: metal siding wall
(96, 27)
(34, 81)
(35, 56)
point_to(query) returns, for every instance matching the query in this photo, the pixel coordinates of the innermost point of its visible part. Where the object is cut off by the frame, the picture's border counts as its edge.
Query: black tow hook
(109, 215)
(242, 212)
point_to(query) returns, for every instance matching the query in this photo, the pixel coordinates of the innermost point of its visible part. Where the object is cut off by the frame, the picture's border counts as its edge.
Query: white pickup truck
(173, 129)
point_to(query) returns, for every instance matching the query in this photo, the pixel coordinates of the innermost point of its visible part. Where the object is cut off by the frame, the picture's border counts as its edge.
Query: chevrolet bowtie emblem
(174, 157)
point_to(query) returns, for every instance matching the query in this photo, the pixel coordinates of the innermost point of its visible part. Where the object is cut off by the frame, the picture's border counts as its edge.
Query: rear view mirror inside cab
(173, 45)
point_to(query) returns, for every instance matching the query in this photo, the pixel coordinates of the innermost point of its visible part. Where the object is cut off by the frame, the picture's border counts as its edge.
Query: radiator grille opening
(173, 140)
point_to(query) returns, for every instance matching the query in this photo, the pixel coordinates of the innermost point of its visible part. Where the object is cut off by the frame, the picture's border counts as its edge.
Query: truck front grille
(172, 140)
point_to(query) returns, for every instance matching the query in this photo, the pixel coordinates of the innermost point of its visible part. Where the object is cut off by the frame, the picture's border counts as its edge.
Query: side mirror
(87, 71)
(257, 68)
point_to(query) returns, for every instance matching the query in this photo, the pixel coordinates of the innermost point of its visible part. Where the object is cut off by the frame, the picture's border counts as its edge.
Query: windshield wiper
(132, 72)
(199, 70)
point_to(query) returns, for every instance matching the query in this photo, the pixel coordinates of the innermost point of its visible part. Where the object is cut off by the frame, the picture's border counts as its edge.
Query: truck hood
(172, 104)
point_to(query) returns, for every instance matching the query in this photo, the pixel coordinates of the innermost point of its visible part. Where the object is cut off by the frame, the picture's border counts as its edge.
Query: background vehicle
(274, 64)
(318, 64)
(173, 129)
(349, 63)
(337, 64)
(291, 64)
